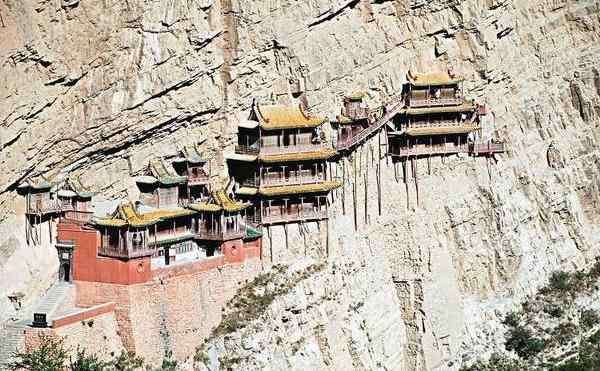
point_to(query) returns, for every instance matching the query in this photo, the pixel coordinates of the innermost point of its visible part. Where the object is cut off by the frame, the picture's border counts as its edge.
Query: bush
(497, 363)
(512, 319)
(589, 318)
(51, 355)
(559, 281)
(84, 362)
(522, 341)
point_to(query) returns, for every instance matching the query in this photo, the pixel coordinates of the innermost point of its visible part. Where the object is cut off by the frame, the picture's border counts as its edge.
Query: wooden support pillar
(405, 175)
(379, 187)
(416, 176)
(344, 186)
(366, 197)
(354, 195)
(285, 230)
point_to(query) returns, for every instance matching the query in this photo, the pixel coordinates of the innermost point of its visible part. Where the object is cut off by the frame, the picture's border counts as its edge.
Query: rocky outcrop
(96, 88)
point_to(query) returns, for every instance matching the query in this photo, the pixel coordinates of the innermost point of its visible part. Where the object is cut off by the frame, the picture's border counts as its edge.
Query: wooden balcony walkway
(391, 109)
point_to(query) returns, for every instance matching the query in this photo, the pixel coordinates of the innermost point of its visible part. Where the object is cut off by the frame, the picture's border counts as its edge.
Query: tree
(84, 362)
(51, 355)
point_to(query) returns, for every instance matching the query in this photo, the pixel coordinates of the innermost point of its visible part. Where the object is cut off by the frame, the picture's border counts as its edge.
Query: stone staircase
(12, 334)
(11, 338)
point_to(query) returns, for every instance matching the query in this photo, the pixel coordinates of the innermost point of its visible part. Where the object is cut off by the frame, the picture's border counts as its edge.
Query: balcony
(198, 179)
(48, 207)
(292, 180)
(434, 102)
(302, 214)
(356, 113)
(78, 216)
(246, 150)
(276, 150)
(217, 235)
(124, 253)
(486, 148)
(425, 150)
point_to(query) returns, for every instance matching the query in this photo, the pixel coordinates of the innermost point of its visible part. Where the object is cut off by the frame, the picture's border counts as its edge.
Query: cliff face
(95, 88)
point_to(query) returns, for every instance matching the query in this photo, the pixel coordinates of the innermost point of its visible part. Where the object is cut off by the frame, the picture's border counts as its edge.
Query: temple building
(438, 120)
(126, 246)
(280, 165)
(353, 119)
(161, 186)
(196, 168)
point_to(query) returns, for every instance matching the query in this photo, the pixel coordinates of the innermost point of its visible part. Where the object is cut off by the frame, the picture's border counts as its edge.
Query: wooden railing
(391, 110)
(301, 215)
(430, 150)
(246, 150)
(79, 215)
(44, 207)
(432, 102)
(487, 148)
(356, 113)
(292, 180)
(272, 150)
(198, 179)
(124, 253)
(211, 234)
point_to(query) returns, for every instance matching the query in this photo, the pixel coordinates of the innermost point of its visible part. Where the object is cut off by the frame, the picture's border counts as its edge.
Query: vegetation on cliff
(552, 331)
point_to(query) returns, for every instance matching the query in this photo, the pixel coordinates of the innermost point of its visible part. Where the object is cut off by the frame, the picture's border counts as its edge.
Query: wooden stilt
(354, 195)
(405, 173)
(344, 186)
(327, 237)
(285, 230)
(379, 187)
(416, 176)
(366, 197)
(270, 242)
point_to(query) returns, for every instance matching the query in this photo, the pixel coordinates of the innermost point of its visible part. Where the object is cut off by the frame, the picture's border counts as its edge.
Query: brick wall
(87, 266)
(177, 309)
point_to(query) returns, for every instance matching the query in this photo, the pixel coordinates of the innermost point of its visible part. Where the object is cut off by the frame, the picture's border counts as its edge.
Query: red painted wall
(88, 266)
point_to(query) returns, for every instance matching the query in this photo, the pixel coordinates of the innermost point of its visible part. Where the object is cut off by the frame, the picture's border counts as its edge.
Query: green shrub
(521, 341)
(497, 363)
(559, 281)
(51, 355)
(512, 319)
(589, 318)
(87, 362)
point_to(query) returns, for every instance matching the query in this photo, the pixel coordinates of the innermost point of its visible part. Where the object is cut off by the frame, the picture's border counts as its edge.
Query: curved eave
(322, 187)
(300, 156)
(463, 129)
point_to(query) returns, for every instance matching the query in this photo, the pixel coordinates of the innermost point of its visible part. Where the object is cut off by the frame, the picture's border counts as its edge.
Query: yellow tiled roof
(299, 156)
(276, 117)
(433, 79)
(126, 215)
(205, 207)
(462, 129)
(465, 107)
(247, 191)
(301, 188)
(222, 199)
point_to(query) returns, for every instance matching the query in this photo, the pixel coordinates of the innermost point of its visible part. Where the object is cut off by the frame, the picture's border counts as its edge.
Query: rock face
(95, 88)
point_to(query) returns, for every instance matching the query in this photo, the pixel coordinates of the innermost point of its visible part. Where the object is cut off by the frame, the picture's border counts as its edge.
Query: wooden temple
(438, 120)
(353, 119)
(280, 165)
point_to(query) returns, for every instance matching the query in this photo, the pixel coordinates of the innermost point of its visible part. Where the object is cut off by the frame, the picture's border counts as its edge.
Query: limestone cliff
(96, 87)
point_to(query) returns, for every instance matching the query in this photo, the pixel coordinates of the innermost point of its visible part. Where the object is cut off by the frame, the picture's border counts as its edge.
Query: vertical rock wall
(99, 87)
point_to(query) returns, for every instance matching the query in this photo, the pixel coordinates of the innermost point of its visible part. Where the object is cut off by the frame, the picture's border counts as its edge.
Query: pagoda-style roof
(74, 184)
(433, 79)
(164, 173)
(440, 130)
(357, 95)
(219, 201)
(127, 215)
(40, 184)
(193, 155)
(322, 154)
(277, 117)
(464, 107)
